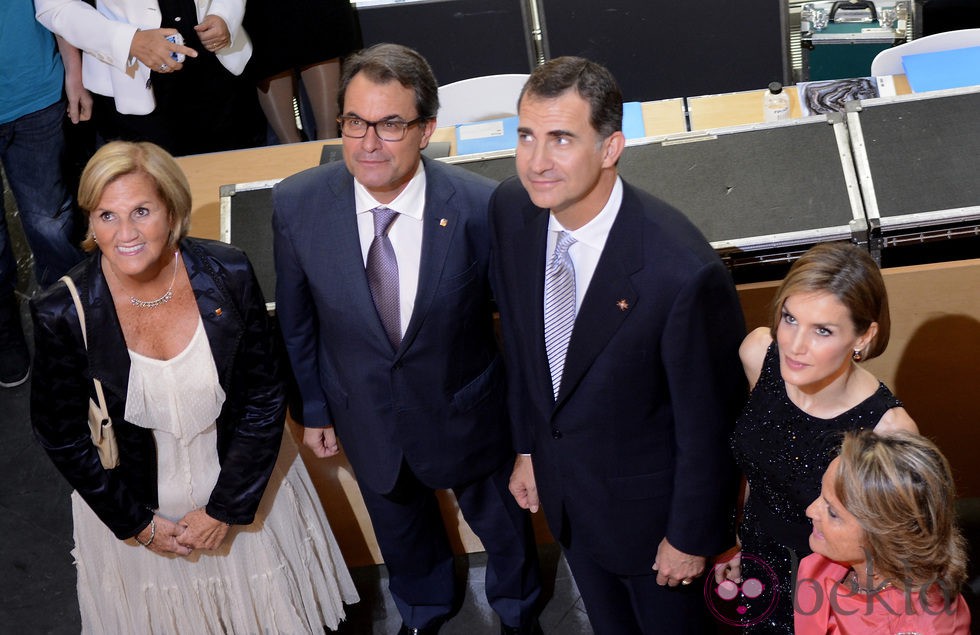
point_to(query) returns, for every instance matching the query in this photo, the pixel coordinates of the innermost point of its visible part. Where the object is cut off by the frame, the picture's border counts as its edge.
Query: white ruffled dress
(284, 573)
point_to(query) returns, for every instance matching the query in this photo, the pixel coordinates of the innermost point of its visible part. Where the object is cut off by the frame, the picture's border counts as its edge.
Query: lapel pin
(443, 222)
(217, 311)
(623, 304)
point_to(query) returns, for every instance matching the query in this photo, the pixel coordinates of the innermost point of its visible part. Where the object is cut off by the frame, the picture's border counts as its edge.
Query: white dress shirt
(590, 240)
(405, 235)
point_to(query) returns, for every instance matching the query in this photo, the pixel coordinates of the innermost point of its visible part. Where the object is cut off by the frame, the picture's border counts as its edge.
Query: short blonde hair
(849, 274)
(120, 158)
(900, 489)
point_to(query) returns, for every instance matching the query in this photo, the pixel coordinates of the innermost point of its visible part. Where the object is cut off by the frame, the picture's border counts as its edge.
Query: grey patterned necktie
(559, 307)
(382, 274)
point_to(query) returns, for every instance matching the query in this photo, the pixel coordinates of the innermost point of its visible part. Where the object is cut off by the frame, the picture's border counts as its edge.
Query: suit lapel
(529, 255)
(336, 245)
(608, 299)
(439, 226)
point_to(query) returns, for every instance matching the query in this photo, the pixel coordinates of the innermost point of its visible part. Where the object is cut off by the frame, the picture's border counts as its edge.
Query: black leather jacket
(245, 353)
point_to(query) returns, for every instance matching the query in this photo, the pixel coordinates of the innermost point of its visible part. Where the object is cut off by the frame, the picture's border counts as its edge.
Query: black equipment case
(918, 163)
(853, 35)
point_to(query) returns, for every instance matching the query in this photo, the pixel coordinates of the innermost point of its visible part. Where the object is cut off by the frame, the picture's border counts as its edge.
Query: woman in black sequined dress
(830, 312)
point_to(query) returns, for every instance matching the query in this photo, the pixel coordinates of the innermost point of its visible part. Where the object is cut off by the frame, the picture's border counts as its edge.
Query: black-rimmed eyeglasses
(386, 129)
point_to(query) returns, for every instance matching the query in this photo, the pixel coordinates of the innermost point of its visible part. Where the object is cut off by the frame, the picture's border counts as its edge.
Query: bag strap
(81, 320)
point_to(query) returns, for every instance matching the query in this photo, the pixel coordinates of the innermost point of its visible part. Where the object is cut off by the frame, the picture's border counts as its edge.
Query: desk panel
(734, 109)
(744, 108)
(663, 117)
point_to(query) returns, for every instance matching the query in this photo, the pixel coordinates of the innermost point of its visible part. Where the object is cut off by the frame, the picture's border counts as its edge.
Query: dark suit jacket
(437, 402)
(241, 338)
(636, 446)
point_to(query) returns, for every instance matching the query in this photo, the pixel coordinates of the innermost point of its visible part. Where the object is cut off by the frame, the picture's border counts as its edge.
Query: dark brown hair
(384, 63)
(848, 273)
(593, 83)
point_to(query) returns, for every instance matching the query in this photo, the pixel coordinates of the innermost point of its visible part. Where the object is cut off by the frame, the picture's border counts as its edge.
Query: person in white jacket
(189, 97)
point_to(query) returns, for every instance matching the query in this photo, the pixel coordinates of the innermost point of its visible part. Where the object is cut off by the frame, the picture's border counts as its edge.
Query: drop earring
(857, 355)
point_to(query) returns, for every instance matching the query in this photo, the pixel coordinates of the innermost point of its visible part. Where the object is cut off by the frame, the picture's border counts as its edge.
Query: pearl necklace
(163, 299)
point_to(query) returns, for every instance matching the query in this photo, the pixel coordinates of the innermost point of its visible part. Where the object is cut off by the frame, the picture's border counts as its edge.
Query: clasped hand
(730, 569)
(214, 33)
(201, 531)
(196, 530)
(674, 567)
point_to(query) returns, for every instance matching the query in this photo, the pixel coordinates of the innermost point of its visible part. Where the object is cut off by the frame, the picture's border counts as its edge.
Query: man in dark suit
(621, 328)
(383, 296)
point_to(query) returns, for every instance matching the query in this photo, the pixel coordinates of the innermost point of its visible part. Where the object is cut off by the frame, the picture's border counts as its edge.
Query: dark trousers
(416, 550)
(636, 604)
(31, 152)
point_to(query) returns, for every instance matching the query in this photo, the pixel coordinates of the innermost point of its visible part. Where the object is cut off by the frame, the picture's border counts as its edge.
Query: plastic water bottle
(775, 103)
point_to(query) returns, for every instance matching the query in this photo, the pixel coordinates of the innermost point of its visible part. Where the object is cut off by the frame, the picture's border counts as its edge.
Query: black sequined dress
(783, 453)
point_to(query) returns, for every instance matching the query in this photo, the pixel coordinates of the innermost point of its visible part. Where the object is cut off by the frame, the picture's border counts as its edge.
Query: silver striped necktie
(559, 307)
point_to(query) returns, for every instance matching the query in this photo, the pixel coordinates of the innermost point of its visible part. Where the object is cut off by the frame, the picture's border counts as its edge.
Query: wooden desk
(208, 172)
(734, 109)
(744, 108)
(902, 85)
(663, 117)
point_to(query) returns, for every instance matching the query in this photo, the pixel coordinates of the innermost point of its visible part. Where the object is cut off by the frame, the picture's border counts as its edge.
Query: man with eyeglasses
(383, 297)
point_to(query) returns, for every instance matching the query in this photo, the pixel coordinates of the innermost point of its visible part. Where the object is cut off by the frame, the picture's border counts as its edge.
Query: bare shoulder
(752, 352)
(896, 420)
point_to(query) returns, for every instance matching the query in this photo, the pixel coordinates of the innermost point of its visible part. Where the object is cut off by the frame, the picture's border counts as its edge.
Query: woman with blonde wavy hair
(208, 522)
(888, 557)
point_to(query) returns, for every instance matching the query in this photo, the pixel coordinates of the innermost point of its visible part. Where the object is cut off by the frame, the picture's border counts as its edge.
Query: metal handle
(851, 5)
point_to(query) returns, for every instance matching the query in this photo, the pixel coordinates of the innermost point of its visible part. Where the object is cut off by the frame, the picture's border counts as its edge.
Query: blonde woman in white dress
(209, 524)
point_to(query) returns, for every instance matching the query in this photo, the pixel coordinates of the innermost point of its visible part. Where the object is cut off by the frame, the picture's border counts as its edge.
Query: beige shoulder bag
(99, 422)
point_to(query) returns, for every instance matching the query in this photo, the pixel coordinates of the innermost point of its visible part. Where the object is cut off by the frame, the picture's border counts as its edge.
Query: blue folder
(486, 136)
(633, 127)
(954, 68)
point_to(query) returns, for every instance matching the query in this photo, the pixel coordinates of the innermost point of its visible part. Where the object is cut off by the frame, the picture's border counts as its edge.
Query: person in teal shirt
(35, 69)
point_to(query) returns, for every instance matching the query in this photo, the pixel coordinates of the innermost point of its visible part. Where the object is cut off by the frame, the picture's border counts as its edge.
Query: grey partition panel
(246, 222)
(918, 161)
(494, 165)
(757, 192)
(459, 38)
(660, 49)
